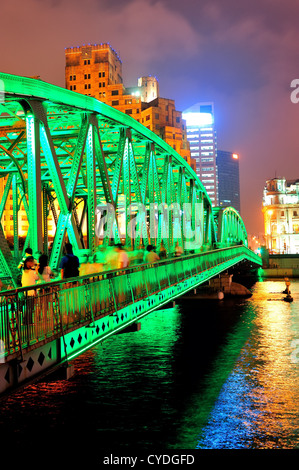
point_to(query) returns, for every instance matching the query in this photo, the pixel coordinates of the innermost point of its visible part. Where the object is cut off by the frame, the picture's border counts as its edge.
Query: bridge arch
(231, 229)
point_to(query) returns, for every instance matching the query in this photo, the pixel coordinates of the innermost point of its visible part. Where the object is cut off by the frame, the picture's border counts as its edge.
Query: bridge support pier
(69, 371)
(131, 328)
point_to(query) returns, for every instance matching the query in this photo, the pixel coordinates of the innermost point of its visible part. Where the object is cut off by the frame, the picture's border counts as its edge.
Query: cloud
(141, 31)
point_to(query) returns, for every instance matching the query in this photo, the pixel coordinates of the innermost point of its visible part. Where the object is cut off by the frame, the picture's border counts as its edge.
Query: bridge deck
(57, 308)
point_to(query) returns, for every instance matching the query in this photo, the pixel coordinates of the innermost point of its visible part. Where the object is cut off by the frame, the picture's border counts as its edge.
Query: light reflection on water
(203, 375)
(258, 404)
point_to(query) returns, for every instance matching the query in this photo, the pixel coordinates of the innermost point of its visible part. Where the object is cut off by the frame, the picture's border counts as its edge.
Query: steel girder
(231, 229)
(68, 154)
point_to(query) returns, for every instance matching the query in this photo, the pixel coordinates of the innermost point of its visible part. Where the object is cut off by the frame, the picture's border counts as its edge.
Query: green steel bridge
(96, 177)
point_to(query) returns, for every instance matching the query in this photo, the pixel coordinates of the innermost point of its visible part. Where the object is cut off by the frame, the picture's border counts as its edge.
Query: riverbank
(269, 273)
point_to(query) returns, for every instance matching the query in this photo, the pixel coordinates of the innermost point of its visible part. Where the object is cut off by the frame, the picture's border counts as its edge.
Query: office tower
(228, 179)
(281, 216)
(202, 139)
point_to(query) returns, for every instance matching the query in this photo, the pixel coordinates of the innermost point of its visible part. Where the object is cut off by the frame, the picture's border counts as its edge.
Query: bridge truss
(99, 175)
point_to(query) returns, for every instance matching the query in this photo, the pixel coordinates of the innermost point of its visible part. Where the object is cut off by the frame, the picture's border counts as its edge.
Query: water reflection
(258, 404)
(205, 375)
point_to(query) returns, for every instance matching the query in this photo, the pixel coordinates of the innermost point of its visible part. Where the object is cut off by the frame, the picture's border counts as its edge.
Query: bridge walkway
(61, 320)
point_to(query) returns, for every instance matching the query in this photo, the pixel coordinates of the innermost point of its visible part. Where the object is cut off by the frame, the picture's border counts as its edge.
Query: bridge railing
(34, 314)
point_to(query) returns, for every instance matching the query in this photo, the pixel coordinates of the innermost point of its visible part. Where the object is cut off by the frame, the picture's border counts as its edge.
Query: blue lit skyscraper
(228, 179)
(202, 139)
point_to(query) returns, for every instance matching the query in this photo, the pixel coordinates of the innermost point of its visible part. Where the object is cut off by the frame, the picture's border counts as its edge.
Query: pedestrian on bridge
(29, 274)
(116, 258)
(150, 256)
(69, 264)
(29, 278)
(28, 252)
(122, 257)
(44, 272)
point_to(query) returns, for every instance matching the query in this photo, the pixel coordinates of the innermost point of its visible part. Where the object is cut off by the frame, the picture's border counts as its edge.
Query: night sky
(243, 55)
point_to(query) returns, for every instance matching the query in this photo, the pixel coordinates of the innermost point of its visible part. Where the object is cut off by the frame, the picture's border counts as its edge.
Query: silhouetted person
(69, 264)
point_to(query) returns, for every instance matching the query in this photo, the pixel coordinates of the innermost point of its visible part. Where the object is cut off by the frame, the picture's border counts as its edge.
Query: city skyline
(243, 58)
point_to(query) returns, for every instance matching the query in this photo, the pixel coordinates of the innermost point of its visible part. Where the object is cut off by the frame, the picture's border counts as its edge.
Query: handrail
(113, 272)
(26, 320)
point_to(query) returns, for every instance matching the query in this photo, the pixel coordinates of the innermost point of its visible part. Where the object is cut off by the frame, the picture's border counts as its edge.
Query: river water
(202, 375)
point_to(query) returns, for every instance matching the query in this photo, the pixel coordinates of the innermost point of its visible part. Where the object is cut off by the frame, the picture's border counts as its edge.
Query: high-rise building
(201, 135)
(228, 179)
(161, 117)
(149, 88)
(281, 216)
(89, 69)
(96, 70)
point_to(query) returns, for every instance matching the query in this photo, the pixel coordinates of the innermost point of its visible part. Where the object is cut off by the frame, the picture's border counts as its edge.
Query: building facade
(162, 118)
(90, 69)
(201, 135)
(96, 70)
(228, 179)
(281, 216)
(149, 88)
